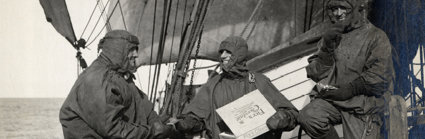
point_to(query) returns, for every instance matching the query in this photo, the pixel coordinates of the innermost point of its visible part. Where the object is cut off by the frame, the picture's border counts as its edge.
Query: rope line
(251, 17)
(122, 15)
(107, 21)
(174, 29)
(184, 15)
(164, 28)
(171, 68)
(105, 17)
(252, 30)
(97, 22)
(84, 30)
(196, 55)
(205, 67)
(150, 58)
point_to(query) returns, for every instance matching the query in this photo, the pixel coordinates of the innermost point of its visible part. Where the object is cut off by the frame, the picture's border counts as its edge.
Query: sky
(37, 61)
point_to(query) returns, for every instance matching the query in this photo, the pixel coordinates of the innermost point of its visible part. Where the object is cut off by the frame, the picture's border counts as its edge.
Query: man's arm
(320, 64)
(379, 71)
(377, 75)
(114, 124)
(103, 110)
(322, 61)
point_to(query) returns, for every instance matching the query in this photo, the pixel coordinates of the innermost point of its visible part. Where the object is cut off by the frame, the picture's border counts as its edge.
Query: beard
(130, 65)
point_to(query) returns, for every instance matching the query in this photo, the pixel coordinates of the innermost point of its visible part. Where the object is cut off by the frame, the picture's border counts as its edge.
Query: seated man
(104, 101)
(233, 83)
(354, 72)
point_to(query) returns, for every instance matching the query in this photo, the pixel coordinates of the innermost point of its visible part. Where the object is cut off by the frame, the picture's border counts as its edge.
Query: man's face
(132, 55)
(225, 57)
(339, 11)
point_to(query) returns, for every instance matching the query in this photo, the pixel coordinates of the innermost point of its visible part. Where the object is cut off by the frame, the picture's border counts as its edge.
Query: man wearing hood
(233, 83)
(354, 72)
(104, 101)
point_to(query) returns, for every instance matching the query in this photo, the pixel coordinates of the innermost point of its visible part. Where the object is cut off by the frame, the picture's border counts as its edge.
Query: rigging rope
(97, 22)
(205, 67)
(122, 15)
(308, 14)
(171, 68)
(164, 28)
(252, 16)
(91, 15)
(104, 16)
(172, 102)
(196, 55)
(150, 58)
(252, 29)
(174, 29)
(184, 15)
(107, 21)
(158, 53)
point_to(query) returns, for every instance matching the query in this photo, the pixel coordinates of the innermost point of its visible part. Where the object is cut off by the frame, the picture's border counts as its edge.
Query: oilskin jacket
(221, 90)
(104, 104)
(364, 52)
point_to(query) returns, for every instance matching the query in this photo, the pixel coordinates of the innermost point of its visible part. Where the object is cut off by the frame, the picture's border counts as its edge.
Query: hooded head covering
(238, 47)
(116, 45)
(356, 12)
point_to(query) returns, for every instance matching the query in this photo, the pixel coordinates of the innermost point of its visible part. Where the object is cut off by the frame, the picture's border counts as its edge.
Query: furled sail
(57, 14)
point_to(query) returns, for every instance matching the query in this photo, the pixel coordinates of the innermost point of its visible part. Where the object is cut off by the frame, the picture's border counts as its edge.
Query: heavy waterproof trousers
(319, 116)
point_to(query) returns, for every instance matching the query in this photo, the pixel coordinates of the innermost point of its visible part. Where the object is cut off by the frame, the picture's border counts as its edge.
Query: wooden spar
(299, 46)
(173, 104)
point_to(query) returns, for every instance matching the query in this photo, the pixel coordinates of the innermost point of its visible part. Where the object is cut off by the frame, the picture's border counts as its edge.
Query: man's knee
(312, 124)
(315, 118)
(312, 114)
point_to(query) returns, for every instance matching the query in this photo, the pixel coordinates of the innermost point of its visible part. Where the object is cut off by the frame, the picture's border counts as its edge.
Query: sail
(264, 23)
(57, 14)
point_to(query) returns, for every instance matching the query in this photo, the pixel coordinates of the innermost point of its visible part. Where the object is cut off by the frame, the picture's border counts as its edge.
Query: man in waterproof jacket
(234, 82)
(354, 72)
(104, 101)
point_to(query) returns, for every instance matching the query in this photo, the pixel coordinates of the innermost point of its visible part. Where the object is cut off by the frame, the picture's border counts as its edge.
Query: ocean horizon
(30, 118)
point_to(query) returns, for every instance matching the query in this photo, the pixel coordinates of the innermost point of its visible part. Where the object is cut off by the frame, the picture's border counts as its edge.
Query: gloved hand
(332, 37)
(344, 91)
(161, 131)
(189, 124)
(278, 121)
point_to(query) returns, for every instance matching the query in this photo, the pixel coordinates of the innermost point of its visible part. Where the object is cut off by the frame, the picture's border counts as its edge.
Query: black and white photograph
(212, 69)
